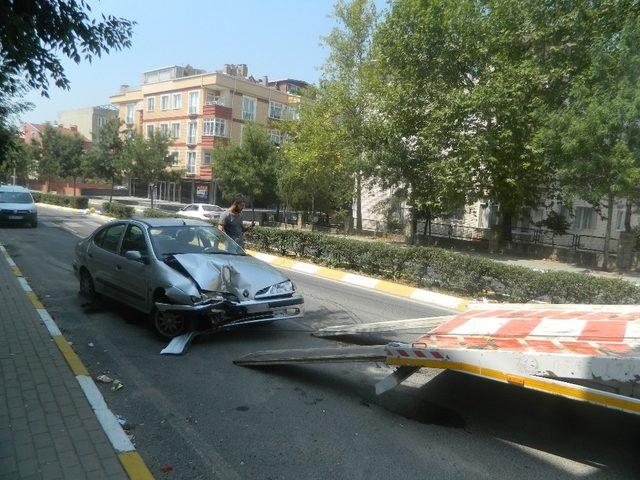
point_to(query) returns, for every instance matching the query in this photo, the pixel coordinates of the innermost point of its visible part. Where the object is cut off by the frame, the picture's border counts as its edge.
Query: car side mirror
(133, 255)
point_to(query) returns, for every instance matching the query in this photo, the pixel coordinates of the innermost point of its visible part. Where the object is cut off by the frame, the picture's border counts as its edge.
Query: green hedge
(155, 213)
(430, 267)
(62, 200)
(117, 210)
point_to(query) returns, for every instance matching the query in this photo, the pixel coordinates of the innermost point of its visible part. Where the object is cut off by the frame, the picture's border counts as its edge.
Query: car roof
(13, 188)
(171, 222)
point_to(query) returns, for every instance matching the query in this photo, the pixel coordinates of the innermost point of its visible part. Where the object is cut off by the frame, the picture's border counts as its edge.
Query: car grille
(13, 212)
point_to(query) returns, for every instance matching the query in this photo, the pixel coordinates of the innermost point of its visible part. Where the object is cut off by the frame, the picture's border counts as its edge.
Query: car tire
(87, 287)
(168, 325)
(34, 224)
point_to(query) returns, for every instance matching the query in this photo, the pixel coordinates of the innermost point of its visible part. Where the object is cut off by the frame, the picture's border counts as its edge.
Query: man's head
(237, 204)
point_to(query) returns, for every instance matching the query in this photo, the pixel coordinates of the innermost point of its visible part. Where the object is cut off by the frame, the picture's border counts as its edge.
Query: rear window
(15, 197)
(212, 208)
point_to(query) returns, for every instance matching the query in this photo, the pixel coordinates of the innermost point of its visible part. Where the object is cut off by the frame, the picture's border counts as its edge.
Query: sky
(277, 38)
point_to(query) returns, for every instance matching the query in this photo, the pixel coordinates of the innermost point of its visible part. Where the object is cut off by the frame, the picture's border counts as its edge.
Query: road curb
(397, 289)
(86, 211)
(130, 459)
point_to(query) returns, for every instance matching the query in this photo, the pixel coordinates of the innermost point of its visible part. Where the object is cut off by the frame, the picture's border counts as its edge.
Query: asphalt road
(207, 418)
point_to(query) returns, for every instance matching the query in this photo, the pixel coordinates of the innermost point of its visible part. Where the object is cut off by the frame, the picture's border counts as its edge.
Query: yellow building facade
(203, 110)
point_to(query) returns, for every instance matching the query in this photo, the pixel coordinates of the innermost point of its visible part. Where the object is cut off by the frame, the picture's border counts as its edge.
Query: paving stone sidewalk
(47, 427)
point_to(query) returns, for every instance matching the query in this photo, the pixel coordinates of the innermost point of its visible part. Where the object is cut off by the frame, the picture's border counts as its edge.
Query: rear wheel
(87, 287)
(167, 324)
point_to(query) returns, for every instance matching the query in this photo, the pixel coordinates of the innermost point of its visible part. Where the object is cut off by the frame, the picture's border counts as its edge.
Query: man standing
(231, 221)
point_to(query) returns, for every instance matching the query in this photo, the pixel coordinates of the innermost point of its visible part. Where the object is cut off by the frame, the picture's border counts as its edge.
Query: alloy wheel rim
(168, 324)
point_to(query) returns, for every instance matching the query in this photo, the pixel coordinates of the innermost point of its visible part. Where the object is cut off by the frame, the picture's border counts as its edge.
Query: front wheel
(168, 325)
(87, 287)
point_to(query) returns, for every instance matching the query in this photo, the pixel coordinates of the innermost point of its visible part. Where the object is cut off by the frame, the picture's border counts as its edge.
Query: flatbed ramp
(589, 353)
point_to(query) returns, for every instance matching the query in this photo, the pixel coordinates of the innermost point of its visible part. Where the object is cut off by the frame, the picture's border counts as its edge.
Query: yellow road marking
(526, 382)
(76, 365)
(330, 273)
(394, 288)
(34, 299)
(134, 466)
(16, 271)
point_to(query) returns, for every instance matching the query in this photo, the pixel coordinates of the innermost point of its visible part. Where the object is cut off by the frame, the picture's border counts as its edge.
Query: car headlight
(206, 296)
(281, 288)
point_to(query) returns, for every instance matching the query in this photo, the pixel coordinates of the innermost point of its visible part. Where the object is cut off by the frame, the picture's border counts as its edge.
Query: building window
(175, 130)
(164, 102)
(164, 129)
(175, 158)
(620, 219)
(194, 101)
(206, 158)
(215, 127)
(192, 132)
(177, 101)
(149, 131)
(275, 136)
(248, 108)
(276, 110)
(585, 218)
(191, 163)
(151, 102)
(212, 98)
(130, 112)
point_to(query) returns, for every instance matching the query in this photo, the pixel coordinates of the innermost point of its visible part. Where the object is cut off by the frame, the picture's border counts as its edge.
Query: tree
(106, 158)
(35, 34)
(248, 168)
(423, 56)
(20, 161)
(595, 137)
(346, 74)
(71, 158)
(148, 158)
(53, 145)
(314, 173)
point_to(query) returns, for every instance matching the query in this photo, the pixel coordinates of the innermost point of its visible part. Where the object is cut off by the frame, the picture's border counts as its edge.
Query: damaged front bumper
(228, 314)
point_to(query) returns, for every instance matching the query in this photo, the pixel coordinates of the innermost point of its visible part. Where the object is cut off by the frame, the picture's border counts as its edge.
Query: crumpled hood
(244, 273)
(17, 206)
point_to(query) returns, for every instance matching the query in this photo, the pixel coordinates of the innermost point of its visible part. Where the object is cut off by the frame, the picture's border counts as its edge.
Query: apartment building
(201, 110)
(87, 121)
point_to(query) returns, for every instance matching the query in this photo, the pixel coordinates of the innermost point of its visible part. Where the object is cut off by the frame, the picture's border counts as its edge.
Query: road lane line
(24, 284)
(49, 323)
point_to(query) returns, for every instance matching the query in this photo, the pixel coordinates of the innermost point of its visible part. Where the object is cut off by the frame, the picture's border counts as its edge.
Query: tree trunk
(313, 209)
(152, 192)
(113, 181)
(507, 223)
(359, 201)
(253, 209)
(74, 186)
(627, 216)
(607, 235)
(193, 190)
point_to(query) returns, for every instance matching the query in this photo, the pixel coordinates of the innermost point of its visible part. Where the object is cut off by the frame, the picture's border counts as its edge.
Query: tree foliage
(106, 159)
(61, 154)
(35, 34)
(248, 168)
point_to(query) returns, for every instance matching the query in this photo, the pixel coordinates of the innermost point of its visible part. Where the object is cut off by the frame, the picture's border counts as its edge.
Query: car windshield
(192, 239)
(15, 197)
(212, 208)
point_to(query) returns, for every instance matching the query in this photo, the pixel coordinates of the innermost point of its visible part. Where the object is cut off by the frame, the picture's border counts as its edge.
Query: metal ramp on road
(583, 352)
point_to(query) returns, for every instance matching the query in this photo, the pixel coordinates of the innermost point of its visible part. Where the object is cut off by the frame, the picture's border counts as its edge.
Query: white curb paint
(436, 298)
(9, 260)
(305, 267)
(360, 280)
(23, 283)
(107, 419)
(49, 323)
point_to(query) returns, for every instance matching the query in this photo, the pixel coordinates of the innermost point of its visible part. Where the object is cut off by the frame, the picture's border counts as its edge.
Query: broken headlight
(206, 297)
(281, 288)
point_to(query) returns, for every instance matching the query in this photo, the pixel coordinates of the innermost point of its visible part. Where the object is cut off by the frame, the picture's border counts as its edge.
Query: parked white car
(201, 211)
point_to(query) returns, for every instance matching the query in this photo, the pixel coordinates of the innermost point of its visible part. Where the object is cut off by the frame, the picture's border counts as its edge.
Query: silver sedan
(185, 274)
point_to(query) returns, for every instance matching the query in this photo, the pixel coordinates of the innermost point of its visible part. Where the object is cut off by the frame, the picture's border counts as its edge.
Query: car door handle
(118, 267)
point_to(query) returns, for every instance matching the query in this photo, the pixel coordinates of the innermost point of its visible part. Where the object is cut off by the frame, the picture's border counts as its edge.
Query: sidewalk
(48, 429)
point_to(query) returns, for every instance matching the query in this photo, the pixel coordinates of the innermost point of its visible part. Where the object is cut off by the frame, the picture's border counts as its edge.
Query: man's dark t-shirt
(232, 225)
